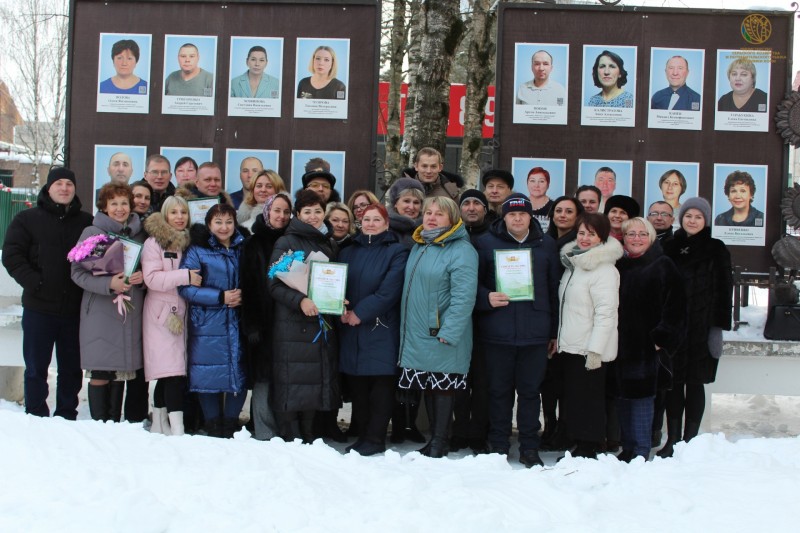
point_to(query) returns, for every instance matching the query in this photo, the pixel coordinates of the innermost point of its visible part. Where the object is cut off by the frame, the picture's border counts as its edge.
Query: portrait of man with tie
(677, 96)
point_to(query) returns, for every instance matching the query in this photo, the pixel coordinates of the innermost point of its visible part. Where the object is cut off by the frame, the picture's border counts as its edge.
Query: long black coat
(257, 303)
(705, 265)
(652, 312)
(305, 372)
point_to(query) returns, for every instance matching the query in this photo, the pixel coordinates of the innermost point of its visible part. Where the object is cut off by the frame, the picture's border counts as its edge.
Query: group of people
(623, 320)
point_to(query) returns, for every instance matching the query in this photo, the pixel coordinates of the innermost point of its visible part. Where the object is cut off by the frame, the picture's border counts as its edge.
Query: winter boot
(440, 426)
(530, 458)
(673, 435)
(117, 389)
(690, 430)
(98, 401)
(307, 426)
(586, 449)
(431, 412)
(160, 421)
(213, 428)
(175, 419)
(412, 432)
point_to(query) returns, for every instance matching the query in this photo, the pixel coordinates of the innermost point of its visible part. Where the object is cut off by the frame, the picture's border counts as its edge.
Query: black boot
(98, 401)
(330, 426)
(307, 426)
(398, 423)
(440, 426)
(116, 390)
(430, 411)
(690, 430)
(549, 430)
(673, 436)
(286, 425)
(586, 449)
(213, 428)
(412, 411)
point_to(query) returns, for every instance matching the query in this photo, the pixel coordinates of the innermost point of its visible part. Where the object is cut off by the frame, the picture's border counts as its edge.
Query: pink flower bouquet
(100, 254)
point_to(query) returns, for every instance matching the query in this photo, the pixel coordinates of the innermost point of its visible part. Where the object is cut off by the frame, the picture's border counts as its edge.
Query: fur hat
(496, 173)
(626, 203)
(701, 204)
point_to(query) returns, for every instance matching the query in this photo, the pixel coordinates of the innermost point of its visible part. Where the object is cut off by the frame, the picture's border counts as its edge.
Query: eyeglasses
(159, 172)
(318, 185)
(633, 235)
(359, 207)
(659, 214)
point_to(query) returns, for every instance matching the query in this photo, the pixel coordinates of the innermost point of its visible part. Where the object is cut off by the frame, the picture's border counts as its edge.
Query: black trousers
(40, 332)
(584, 401)
(373, 401)
(472, 405)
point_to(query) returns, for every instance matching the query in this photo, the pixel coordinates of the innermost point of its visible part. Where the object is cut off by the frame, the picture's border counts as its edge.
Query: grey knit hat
(701, 204)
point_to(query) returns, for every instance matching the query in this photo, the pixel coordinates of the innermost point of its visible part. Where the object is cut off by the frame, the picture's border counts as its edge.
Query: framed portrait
(175, 153)
(120, 163)
(253, 159)
(610, 176)
(671, 182)
(739, 205)
(256, 64)
(541, 82)
(676, 88)
(189, 74)
(123, 73)
(743, 83)
(542, 180)
(321, 78)
(307, 160)
(608, 90)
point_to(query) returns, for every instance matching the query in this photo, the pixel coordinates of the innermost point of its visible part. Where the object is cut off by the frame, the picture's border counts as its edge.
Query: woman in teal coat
(436, 315)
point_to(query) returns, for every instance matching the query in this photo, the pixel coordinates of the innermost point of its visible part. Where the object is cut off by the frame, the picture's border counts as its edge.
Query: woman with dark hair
(185, 171)
(258, 312)
(322, 84)
(370, 333)
(609, 74)
(538, 182)
(111, 340)
(142, 194)
(672, 184)
(740, 188)
(216, 366)
(304, 347)
(705, 265)
(587, 334)
(438, 298)
(125, 55)
(255, 82)
(563, 217)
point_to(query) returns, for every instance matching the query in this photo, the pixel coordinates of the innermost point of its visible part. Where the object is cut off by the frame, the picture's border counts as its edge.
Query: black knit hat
(60, 173)
(496, 173)
(308, 176)
(476, 194)
(517, 202)
(626, 203)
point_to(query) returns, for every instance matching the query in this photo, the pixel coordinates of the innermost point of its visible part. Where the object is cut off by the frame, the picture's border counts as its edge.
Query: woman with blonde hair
(341, 220)
(263, 185)
(322, 84)
(358, 203)
(744, 97)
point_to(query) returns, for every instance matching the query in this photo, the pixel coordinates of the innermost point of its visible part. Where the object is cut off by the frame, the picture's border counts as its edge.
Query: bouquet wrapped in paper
(99, 254)
(292, 269)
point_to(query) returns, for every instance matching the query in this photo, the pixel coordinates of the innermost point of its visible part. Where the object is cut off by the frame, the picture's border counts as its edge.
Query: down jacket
(518, 323)
(652, 312)
(438, 299)
(305, 367)
(214, 346)
(109, 341)
(164, 351)
(376, 266)
(705, 265)
(589, 296)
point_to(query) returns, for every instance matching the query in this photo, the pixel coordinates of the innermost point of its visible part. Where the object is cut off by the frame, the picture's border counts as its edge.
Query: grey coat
(108, 340)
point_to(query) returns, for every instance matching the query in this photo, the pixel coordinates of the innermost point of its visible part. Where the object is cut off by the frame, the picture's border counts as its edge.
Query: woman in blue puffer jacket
(214, 345)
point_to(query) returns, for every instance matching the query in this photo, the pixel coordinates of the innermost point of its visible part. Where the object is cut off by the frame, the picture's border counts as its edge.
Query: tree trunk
(481, 61)
(394, 161)
(439, 29)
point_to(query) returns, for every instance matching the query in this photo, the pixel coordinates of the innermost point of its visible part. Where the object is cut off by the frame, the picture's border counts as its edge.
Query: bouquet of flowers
(292, 268)
(99, 254)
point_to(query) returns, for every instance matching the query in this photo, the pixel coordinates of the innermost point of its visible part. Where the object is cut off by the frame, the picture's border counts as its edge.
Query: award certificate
(326, 286)
(198, 207)
(513, 270)
(132, 253)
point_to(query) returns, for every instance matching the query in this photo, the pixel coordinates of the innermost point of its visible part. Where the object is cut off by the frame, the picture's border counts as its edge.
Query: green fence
(12, 203)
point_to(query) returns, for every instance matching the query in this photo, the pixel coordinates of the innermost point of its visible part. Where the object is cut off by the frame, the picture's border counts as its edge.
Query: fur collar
(607, 252)
(165, 235)
(188, 192)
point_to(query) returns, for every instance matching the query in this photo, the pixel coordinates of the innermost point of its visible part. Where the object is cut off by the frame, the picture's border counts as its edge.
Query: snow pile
(84, 475)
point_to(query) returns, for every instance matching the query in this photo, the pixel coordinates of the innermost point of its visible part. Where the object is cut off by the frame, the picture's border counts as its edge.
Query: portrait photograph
(256, 64)
(312, 160)
(118, 163)
(671, 182)
(739, 204)
(321, 78)
(541, 72)
(542, 181)
(189, 74)
(742, 96)
(176, 153)
(254, 160)
(610, 176)
(123, 73)
(676, 88)
(609, 86)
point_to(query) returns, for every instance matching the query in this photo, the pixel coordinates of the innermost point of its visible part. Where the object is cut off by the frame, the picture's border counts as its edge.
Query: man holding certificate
(517, 315)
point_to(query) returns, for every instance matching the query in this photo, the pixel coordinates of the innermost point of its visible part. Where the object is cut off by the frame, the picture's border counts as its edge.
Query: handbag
(783, 323)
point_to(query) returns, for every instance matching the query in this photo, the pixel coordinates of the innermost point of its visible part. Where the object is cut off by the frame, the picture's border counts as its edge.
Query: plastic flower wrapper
(101, 255)
(292, 269)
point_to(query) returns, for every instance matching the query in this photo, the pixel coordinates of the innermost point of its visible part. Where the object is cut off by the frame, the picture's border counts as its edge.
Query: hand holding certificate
(326, 286)
(514, 274)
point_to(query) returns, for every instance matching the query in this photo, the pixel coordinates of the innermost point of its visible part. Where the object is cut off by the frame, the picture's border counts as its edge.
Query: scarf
(430, 235)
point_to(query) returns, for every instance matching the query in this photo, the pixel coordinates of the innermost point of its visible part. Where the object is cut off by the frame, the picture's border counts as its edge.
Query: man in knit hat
(35, 255)
(475, 213)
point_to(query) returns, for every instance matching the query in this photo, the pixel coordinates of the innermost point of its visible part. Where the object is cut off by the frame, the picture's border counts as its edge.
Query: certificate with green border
(327, 283)
(513, 272)
(132, 253)
(198, 207)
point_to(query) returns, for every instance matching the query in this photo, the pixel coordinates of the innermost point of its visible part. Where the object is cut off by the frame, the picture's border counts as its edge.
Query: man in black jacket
(35, 255)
